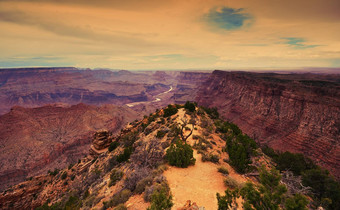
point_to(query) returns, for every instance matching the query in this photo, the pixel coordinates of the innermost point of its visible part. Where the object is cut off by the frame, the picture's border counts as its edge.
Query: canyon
(35, 140)
(289, 112)
(49, 115)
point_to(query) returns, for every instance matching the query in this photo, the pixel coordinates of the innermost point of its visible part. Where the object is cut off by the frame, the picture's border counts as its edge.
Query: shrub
(64, 175)
(125, 155)
(223, 170)
(232, 183)
(113, 146)
(115, 176)
(132, 180)
(180, 155)
(212, 112)
(118, 198)
(297, 202)
(53, 173)
(169, 111)
(324, 187)
(190, 106)
(142, 184)
(160, 134)
(240, 149)
(161, 200)
(210, 157)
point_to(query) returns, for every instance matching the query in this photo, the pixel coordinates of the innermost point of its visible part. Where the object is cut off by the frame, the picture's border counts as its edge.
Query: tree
(184, 125)
(190, 106)
(268, 195)
(228, 200)
(297, 202)
(180, 155)
(160, 201)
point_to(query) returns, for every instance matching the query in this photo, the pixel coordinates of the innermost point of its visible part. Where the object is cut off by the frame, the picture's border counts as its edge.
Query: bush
(190, 106)
(161, 200)
(160, 134)
(64, 175)
(53, 173)
(223, 170)
(125, 155)
(142, 184)
(212, 112)
(323, 186)
(132, 179)
(113, 146)
(118, 198)
(240, 149)
(232, 183)
(210, 157)
(115, 176)
(169, 111)
(180, 155)
(297, 202)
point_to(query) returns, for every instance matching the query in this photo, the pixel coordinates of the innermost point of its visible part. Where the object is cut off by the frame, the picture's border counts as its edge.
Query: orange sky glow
(170, 34)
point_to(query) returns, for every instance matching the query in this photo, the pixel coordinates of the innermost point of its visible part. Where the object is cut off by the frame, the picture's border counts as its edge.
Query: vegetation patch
(180, 155)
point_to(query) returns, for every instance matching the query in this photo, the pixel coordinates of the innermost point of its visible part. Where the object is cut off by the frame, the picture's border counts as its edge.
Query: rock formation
(34, 140)
(291, 112)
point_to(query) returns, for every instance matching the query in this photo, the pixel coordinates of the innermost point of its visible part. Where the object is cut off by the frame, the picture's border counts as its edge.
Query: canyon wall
(34, 140)
(293, 112)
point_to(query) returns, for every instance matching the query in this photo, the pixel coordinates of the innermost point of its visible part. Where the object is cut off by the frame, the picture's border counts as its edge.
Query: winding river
(156, 99)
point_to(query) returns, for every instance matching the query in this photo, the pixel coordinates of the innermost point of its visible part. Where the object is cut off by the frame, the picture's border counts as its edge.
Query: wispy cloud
(229, 18)
(297, 42)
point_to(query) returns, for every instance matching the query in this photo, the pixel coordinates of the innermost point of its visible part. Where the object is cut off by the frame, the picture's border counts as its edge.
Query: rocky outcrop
(101, 139)
(293, 112)
(34, 140)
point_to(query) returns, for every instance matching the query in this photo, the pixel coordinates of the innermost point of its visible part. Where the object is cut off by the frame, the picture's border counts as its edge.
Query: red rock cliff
(297, 113)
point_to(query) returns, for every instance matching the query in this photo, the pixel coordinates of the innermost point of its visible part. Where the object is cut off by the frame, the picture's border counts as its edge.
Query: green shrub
(210, 157)
(297, 202)
(161, 200)
(125, 155)
(64, 175)
(240, 149)
(169, 111)
(232, 183)
(53, 173)
(113, 146)
(118, 198)
(180, 155)
(324, 187)
(190, 106)
(212, 112)
(160, 134)
(115, 176)
(142, 184)
(223, 170)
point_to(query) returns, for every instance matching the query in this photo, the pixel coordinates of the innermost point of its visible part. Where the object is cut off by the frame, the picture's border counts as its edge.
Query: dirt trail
(198, 183)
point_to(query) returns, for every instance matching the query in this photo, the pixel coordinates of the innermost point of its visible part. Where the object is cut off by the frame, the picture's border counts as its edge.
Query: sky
(170, 34)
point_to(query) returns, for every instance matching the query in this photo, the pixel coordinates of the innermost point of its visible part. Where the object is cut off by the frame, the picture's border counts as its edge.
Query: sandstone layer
(293, 112)
(34, 140)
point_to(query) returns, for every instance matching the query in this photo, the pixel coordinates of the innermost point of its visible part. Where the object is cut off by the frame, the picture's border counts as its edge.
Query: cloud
(229, 18)
(298, 43)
